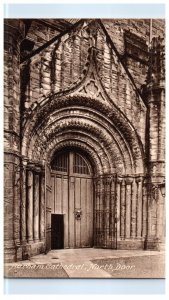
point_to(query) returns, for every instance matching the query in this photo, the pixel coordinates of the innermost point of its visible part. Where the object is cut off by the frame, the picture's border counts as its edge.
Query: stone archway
(117, 155)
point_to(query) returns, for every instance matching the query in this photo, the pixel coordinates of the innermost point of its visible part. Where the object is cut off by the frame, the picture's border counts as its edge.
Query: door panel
(58, 195)
(89, 210)
(65, 211)
(71, 225)
(83, 195)
(72, 192)
(53, 193)
(77, 207)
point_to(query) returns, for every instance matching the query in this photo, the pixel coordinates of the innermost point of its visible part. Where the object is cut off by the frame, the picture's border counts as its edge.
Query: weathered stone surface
(14, 32)
(98, 88)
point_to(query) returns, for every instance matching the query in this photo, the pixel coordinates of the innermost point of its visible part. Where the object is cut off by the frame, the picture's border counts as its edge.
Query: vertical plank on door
(53, 194)
(58, 195)
(65, 211)
(83, 195)
(89, 213)
(71, 212)
(77, 206)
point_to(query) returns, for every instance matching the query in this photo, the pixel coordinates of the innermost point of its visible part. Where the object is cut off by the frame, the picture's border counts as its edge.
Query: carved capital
(107, 180)
(119, 180)
(30, 166)
(24, 164)
(139, 179)
(37, 168)
(97, 182)
(129, 180)
(30, 178)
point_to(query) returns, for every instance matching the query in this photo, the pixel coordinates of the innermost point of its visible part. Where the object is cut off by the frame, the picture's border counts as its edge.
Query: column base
(30, 241)
(37, 240)
(32, 249)
(123, 244)
(153, 243)
(130, 244)
(12, 254)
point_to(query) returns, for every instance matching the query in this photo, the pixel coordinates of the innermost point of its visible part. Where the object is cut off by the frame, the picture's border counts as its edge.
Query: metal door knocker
(78, 213)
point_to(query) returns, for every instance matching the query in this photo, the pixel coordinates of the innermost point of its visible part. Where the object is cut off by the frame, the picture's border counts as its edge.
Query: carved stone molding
(86, 93)
(100, 161)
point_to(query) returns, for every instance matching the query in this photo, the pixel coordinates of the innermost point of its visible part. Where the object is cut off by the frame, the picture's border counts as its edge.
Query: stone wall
(65, 63)
(134, 48)
(131, 38)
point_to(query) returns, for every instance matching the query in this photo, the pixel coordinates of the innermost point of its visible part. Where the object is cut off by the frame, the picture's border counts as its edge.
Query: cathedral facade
(84, 135)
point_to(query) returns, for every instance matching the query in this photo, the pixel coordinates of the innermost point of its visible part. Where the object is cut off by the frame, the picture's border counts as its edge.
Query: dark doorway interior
(57, 231)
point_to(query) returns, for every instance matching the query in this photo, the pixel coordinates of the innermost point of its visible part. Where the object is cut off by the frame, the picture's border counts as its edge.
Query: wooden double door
(71, 201)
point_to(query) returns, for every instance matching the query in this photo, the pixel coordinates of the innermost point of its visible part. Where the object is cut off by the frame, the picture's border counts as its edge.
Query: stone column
(23, 202)
(36, 205)
(13, 34)
(42, 206)
(161, 216)
(101, 209)
(122, 208)
(144, 208)
(8, 207)
(48, 206)
(16, 210)
(151, 238)
(113, 213)
(139, 206)
(128, 207)
(119, 181)
(30, 205)
(134, 209)
(155, 217)
(155, 98)
(106, 209)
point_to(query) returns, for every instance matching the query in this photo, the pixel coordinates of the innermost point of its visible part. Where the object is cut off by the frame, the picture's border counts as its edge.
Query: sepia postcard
(84, 148)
